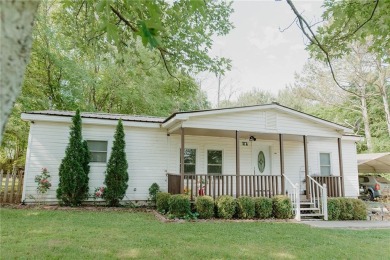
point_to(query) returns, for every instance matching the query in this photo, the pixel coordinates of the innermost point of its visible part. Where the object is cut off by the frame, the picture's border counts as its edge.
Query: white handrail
(295, 198)
(319, 196)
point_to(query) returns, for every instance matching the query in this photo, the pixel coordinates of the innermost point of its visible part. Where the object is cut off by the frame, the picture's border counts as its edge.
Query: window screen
(98, 150)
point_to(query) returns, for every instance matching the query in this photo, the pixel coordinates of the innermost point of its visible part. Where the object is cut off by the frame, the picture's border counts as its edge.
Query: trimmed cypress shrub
(334, 208)
(226, 206)
(281, 207)
(205, 206)
(359, 209)
(116, 174)
(245, 207)
(263, 207)
(162, 202)
(73, 172)
(179, 205)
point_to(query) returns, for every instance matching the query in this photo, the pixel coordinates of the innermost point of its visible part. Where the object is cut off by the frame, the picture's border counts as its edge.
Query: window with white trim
(214, 162)
(189, 161)
(325, 164)
(97, 150)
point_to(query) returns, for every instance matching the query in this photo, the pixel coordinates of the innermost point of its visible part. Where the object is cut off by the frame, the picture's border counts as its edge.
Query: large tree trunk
(387, 112)
(17, 19)
(366, 122)
(383, 72)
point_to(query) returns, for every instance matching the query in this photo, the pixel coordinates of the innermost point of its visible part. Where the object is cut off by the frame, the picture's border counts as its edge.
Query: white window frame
(330, 166)
(108, 149)
(207, 162)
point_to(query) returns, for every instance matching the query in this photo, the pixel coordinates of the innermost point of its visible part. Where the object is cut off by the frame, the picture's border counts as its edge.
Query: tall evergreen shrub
(116, 175)
(74, 168)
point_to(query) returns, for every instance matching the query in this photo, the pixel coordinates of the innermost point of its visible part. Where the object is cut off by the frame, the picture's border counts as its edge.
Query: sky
(262, 56)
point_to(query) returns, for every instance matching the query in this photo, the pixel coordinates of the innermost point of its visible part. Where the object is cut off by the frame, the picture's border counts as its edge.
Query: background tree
(67, 71)
(17, 19)
(73, 185)
(178, 34)
(116, 174)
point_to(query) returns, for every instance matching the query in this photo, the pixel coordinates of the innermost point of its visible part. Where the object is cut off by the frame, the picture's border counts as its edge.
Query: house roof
(185, 115)
(107, 116)
(179, 116)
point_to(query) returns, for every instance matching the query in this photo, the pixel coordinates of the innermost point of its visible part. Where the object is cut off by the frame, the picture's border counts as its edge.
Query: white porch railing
(295, 197)
(318, 196)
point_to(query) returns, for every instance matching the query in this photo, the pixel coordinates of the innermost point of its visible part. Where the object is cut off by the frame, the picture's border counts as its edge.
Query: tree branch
(313, 39)
(361, 26)
(161, 50)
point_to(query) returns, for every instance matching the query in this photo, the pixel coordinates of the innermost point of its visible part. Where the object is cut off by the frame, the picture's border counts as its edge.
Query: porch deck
(242, 185)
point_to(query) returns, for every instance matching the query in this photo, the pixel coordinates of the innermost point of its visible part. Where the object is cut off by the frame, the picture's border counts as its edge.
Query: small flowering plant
(43, 181)
(99, 192)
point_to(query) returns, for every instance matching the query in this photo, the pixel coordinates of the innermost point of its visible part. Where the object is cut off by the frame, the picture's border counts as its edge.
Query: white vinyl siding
(151, 153)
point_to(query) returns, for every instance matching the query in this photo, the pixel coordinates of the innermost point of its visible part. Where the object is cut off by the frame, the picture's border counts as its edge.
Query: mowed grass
(50, 234)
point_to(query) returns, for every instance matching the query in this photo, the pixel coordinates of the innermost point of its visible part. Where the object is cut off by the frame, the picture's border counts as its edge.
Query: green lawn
(50, 234)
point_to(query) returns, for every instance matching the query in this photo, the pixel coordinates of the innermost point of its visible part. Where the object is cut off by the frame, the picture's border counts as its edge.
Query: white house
(258, 150)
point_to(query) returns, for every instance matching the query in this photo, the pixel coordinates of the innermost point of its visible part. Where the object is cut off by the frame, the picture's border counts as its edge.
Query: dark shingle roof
(134, 118)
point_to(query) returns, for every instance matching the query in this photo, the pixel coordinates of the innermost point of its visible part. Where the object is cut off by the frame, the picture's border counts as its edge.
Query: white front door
(261, 159)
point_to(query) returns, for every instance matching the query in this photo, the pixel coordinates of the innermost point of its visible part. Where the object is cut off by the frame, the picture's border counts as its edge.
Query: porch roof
(176, 119)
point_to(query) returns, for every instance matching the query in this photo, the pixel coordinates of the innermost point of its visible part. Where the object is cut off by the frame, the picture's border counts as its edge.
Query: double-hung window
(214, 162)
(189, 161)
(98, 151)
(325, 164)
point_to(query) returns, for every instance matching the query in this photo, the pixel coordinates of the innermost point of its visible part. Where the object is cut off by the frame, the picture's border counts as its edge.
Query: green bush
(179, 205)
(162, 202)
(359, 209)
(205, 206)
(334, 208)
(263, 207)
(153, 190)
(281, 207)
(245, 207)
(346, 206)
(226, 206)
(346, 209)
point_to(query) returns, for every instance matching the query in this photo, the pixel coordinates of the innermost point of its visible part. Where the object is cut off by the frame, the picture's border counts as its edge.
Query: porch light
(252, 138)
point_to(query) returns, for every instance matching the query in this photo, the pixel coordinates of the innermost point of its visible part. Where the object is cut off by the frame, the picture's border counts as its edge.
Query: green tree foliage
(116, 174)
(73, 172)
(74, 65)
(355, 21)
(178, 32)
(250, 98)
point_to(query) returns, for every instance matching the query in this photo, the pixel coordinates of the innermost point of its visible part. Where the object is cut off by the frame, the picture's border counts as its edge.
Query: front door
(261, 159)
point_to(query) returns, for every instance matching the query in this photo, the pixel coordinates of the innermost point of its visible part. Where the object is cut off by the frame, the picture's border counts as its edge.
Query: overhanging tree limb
(161, 50)
(311, 36)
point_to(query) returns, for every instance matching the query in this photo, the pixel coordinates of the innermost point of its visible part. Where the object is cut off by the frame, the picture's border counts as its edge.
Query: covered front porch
(253, 164)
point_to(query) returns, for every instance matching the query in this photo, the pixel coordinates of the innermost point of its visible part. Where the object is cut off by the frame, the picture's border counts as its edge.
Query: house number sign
(261, 161)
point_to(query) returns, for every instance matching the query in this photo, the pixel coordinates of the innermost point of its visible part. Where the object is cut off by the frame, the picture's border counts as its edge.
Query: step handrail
(295, 198)
(321, 198)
